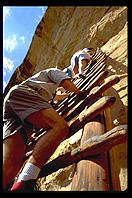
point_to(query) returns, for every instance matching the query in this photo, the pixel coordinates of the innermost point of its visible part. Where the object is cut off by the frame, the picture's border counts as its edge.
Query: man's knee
(63, 127)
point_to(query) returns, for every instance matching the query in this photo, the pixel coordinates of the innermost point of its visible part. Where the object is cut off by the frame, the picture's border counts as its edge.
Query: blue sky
(19, 24)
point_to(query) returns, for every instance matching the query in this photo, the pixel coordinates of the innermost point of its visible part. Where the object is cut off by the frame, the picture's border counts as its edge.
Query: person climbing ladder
(27, 106)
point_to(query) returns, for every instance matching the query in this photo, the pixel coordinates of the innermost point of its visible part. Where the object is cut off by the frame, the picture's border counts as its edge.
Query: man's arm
(69, 86)
(60, 97)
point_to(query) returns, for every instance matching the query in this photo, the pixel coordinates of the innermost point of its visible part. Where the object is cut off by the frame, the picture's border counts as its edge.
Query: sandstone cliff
(61, 32)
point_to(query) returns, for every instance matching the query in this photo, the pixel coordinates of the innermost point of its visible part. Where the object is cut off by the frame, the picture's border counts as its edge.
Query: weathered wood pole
(115, 182)
(92, 175)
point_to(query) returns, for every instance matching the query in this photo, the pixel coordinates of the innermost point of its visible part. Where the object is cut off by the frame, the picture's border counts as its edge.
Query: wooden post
(89, 175)
(115, 182)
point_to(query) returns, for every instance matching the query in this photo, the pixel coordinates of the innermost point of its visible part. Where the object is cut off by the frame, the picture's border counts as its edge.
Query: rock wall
(61, 32)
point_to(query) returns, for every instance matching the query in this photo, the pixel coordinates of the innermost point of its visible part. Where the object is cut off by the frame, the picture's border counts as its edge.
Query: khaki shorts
(19, 103)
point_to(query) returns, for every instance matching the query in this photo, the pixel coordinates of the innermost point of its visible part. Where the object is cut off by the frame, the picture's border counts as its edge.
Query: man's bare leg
(48, 143)
(13, 152)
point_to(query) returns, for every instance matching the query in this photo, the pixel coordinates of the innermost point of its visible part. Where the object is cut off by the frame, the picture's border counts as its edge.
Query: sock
(30, 171)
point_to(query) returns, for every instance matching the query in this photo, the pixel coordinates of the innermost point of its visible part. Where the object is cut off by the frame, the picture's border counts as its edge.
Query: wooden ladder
(90, 111)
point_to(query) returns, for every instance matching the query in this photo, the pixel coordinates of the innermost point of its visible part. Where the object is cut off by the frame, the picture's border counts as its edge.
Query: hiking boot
(24, 186)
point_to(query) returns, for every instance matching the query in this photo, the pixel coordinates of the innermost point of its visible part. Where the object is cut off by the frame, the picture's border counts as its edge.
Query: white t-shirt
(46, 81)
